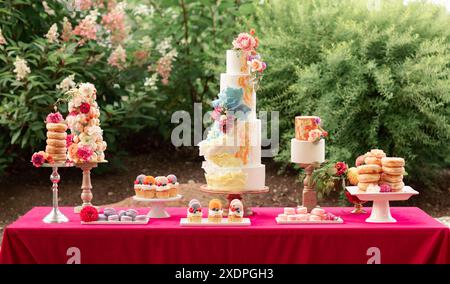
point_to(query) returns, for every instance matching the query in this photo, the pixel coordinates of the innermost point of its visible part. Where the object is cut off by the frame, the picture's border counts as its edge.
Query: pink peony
(341, 168)
(244, 41)
(257, 65)
(385, 188)
(55, 117)
(38, 159)
(85, 108)
(69, 140)
(84, 153)
(314, 135)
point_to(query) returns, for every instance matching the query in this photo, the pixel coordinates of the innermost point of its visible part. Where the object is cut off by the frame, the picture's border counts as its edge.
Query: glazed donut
(369, 178)
(55, 150)
(377, 153)
(363, 185)
(395, 186)
(57, 127)
(393, 171)
(390, 178)
(59, 157)
(369, 169)
(56, 135)
(372, 161)
(56, 143)
(393, 162)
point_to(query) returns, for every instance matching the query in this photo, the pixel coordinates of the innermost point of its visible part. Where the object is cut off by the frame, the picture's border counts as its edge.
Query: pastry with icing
(236, 211)
(194, 211)
(215, 211)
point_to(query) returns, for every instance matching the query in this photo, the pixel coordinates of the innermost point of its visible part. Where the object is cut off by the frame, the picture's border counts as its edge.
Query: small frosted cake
(162, 189)
(215, 211)
(236, 211)
(56, 137)
(149, 187)
(173, 185)
(139, 185)
(194, 212)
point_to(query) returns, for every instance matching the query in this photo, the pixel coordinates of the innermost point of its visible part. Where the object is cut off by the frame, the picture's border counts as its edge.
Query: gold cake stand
(86, 185)
(235, 195)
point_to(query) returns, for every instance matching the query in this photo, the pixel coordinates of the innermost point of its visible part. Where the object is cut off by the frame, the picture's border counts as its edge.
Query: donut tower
(393, 170)
(56, 137)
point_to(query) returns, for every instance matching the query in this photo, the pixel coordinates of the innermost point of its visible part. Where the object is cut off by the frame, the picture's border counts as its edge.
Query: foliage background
(377, 75)
(378, 78)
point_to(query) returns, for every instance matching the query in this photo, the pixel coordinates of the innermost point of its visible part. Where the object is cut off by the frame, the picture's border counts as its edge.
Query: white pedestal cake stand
(158, 205)
(381, 212)
(235, 195)
(55, 216)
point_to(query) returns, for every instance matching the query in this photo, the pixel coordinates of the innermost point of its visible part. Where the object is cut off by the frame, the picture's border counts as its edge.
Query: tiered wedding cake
(232, 149)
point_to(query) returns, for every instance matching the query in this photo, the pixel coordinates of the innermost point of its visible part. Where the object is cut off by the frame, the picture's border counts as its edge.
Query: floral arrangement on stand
(329, 177)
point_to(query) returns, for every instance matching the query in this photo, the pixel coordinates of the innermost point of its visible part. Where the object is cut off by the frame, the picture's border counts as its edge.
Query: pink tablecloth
(416, 238)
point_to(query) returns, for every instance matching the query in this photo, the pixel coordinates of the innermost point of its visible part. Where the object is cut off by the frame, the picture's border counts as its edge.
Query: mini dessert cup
(234, 218)
(215, 218)
(149, 192)
(195, 218)
(162, 193)
(173, 190)
(138, 189)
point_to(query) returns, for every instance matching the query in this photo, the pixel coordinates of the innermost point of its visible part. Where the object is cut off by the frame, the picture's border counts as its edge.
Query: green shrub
(377, 77)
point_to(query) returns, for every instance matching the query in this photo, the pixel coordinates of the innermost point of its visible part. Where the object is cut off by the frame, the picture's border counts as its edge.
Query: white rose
(87, 89)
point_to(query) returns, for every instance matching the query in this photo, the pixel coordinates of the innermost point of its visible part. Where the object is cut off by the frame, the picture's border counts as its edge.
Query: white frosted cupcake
(162, 190)
(173, 185)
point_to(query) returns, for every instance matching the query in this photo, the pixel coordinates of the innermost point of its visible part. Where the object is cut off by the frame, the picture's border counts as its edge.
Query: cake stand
(381, 212)
(235, 195)
(86, 186)
(55, 216)
(158, 207)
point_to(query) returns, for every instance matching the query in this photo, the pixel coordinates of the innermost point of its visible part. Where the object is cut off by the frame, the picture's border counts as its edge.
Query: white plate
(338, 221)
(117, 222)
(185, 223)
(404, 194)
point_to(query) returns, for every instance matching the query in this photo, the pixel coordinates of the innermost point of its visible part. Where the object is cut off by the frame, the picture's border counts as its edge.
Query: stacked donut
(393, 170)
(56, 137)
(367, 175)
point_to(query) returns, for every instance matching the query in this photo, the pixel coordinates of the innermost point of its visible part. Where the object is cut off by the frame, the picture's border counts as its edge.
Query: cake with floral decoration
(308, 146)
(232, 148)
(85, 142)
(56, 137)
(194, 211)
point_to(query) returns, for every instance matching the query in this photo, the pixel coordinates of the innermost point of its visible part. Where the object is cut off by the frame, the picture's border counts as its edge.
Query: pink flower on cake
(244, 41)
(38, 159)
(341, 168)
(257, 65)
(85, 108)
(314, 135)
(84, 153)
(54, 118)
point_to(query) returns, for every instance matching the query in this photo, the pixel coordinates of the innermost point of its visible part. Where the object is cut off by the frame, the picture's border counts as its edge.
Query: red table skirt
(415, 238)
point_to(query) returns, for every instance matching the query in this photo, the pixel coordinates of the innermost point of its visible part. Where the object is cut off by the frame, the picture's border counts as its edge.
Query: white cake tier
(243, 82)
(239, 147)
(305, 152)
(235, 179)
(237, 62)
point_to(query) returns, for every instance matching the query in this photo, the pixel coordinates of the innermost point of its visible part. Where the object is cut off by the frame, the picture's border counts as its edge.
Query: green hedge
(378, 78)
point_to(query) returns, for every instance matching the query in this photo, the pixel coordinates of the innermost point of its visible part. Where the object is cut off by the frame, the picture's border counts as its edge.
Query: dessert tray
(205, 223)
(338, 220)
(144, 222)
(381, 212)
(158, 207)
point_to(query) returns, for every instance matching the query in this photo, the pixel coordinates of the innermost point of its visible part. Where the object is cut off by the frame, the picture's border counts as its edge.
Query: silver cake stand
(235, 194)
(55, 216)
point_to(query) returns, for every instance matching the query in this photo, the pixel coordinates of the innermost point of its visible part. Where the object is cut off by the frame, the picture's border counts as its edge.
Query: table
(416, 238)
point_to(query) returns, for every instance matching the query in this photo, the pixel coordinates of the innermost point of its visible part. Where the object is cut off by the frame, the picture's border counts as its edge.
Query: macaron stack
(392, 172)
(300, 214)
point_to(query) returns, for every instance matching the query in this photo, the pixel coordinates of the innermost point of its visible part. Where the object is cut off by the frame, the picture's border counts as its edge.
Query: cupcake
(139, 185)
(173, 185)
(236, 211)
(215, 211)
(162, 190)
(149, 189)
(194, 212)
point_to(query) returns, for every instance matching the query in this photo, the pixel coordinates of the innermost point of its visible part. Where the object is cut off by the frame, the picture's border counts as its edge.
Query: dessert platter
(232, 148)
(380, 179)
(89, 215)
(157, 191)
(300, 215)
(215, 216)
